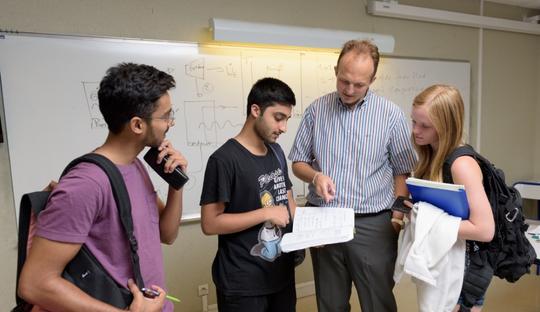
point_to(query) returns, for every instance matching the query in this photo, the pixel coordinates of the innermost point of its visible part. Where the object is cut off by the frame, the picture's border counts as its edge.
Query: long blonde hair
(445, 109)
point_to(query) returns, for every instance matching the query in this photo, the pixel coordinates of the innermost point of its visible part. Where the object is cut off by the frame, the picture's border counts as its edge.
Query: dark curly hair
(131, 90)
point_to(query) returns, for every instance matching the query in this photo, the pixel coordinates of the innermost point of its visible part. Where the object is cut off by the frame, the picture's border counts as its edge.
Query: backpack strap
(121, 196)
(280, 155)
(31, 202)
(278, 152)
(299, 255)
(464, 150)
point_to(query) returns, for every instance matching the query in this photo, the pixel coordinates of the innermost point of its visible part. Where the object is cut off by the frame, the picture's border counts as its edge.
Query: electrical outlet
(203, 290)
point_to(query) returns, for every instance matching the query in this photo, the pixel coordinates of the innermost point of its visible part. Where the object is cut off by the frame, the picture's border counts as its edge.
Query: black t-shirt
(249, 262)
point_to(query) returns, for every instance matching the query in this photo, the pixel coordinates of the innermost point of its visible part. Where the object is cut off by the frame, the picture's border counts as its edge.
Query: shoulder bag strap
(280, 155)
(278, 152)
(123, 204)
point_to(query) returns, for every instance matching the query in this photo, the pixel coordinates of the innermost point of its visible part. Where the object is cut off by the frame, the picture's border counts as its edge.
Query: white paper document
(315, 226)
(532, 235)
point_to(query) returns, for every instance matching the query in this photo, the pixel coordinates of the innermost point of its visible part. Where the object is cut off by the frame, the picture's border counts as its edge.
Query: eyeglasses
(169, 117)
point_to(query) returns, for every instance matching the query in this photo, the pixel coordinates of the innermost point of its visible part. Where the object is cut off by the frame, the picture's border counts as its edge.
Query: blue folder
(453, 202)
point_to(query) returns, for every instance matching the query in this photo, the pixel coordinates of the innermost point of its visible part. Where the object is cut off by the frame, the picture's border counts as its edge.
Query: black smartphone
(176, 179)
(398, 204)
(149, 293)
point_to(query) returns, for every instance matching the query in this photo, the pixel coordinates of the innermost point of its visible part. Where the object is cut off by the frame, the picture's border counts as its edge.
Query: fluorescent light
(262, 33)
(393, 9)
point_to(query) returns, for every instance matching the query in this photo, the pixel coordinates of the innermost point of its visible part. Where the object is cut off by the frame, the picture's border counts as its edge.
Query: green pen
(151, 293)
(172, 298)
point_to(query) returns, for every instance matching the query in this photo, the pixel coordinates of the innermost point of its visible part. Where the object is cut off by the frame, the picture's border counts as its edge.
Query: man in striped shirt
(354, 149)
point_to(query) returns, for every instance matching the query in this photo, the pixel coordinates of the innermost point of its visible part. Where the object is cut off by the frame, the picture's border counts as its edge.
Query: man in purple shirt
(136, 106)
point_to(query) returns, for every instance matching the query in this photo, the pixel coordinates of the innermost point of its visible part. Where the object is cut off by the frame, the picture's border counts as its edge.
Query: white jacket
(433, 255)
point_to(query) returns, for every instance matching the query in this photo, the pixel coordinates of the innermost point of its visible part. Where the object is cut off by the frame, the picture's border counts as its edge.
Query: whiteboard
(49, 86)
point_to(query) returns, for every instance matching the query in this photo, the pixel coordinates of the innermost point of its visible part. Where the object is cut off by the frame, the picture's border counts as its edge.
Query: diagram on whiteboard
(209, 124)
(91, 96)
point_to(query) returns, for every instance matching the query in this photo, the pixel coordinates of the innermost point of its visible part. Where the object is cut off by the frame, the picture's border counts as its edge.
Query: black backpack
(84, 270)
(509, 255)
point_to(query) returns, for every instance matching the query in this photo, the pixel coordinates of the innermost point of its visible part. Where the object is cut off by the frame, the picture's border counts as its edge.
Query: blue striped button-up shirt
(361, 149)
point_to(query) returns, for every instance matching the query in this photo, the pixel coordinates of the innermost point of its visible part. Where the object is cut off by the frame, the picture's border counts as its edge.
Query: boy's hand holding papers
(315, 226)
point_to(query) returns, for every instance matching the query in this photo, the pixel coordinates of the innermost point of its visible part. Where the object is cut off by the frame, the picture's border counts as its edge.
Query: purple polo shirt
(82, 209)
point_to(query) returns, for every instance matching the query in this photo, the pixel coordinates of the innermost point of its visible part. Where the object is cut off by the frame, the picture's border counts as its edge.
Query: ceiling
(532, 4)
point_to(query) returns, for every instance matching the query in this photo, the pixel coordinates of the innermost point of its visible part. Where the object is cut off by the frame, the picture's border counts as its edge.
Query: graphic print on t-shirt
(273, 191)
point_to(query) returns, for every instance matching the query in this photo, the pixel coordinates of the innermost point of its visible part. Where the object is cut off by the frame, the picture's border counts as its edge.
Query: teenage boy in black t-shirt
(247, 200)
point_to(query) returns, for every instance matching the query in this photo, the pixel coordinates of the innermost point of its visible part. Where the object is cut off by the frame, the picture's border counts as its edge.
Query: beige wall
(509, 113)
(510, 90)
